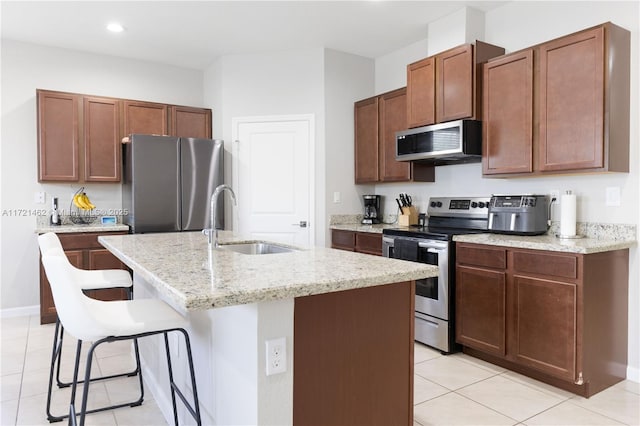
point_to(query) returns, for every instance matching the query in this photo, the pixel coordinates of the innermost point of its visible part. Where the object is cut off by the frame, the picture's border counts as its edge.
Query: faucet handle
(208, 233)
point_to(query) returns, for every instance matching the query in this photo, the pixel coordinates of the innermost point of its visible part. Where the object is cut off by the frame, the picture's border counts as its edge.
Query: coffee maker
(372, 212)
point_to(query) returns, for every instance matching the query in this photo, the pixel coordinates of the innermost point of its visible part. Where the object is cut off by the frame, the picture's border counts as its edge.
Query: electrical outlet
(554, 193)
(39, 197)
(276, 356)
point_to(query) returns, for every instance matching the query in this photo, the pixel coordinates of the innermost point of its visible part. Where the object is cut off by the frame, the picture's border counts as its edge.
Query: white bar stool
(87, 280)
(100, 322)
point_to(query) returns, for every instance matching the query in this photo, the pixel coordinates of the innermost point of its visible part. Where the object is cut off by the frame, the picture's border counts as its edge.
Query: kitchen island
(347, 320)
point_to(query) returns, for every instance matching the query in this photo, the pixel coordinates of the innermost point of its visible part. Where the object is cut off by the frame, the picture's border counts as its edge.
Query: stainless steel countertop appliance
(519, 214)
(433, 244)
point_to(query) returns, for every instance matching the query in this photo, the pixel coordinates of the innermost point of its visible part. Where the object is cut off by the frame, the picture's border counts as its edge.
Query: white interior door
(273, 178)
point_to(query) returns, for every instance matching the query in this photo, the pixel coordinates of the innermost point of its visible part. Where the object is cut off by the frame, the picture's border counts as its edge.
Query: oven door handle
(431, 248)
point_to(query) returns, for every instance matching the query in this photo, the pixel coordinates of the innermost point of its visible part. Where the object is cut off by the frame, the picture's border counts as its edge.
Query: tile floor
(449, 390)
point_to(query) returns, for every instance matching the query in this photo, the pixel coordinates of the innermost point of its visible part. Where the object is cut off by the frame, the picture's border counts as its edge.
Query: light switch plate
(612, 196)
(40, 197)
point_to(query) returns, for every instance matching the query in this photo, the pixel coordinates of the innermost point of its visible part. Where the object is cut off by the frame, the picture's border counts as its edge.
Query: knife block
(408, 217)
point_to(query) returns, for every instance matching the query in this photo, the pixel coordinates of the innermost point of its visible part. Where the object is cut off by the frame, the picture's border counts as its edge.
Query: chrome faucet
(212, 233)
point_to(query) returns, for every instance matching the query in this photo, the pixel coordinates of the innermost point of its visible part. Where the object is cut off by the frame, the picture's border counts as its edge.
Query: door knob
(301, 224)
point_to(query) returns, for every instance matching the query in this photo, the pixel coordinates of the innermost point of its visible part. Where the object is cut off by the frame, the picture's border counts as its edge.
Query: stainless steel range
(432, 244)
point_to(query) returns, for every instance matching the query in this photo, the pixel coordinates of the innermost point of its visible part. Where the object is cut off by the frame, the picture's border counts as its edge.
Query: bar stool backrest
(72, 306)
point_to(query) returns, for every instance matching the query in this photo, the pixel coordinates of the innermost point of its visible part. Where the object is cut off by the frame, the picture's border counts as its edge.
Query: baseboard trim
(633, 374)
(23, 311)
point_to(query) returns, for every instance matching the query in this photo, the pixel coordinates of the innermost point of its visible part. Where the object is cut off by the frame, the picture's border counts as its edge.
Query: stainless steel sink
(257, 248)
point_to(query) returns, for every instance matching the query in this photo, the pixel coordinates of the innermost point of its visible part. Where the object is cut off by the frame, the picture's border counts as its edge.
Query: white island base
(352, 352)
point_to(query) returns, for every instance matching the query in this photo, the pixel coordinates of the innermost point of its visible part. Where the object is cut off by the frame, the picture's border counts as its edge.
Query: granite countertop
(358, 227)
(191, 277)
(548, 242)
(95, 227)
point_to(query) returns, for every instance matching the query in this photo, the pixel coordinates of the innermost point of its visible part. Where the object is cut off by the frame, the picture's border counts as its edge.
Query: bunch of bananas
(81, 201)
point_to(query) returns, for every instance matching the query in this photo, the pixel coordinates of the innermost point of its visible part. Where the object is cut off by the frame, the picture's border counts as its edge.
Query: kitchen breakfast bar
(347, 319)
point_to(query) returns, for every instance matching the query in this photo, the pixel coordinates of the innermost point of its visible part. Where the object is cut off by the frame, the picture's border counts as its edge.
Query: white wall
(514, 26)
(275, 83)
(348, 78)
(25, 68)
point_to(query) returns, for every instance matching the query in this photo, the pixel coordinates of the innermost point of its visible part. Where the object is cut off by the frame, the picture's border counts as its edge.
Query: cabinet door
(572, 102)
(421, 93)
(393, 118)
(101, 140)
(366, 140)
(344, 240)
(145, 118)
(191, 122)
(103, 259)
(545, 326)
(58, 137)
(508, 115)
(455, 84)
(369, 243)
(481, 309)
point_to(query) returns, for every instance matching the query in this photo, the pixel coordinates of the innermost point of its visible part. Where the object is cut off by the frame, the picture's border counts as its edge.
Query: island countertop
(192, 277)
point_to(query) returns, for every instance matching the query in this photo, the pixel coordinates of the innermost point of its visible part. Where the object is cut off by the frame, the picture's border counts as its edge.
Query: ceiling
(193, 34)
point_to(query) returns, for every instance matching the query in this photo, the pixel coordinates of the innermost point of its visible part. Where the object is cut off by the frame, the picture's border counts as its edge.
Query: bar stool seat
(87, 280)
(100, 322)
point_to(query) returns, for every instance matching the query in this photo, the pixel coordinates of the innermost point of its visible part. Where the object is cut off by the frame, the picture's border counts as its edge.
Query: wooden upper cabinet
(366, 140)
(448, 86)
(393, 118)
(580, 106)
(508, 114)
(572, 102)
(421, 92)
(455, 84)
(190, 122)
(58, 145)
(102, 150)
(145, 118)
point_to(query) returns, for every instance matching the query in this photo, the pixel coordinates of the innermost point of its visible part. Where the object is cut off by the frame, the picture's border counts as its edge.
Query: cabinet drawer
(369, 243)
(481, 256)
(84, 240)
(550, 264)
(345, 240)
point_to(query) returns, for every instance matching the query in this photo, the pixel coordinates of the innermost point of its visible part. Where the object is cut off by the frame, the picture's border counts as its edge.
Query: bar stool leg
(171, 383)
(55, 356)
(195, 414)
(72, 403)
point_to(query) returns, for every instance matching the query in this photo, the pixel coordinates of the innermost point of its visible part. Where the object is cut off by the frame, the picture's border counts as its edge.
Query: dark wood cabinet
(508, 115)
(448, 86)
(101, 136)
(190, 122)
(377, 119)
(361, 242)
(145, 118)
(421, 92)
(560, 106)
(84, 252)
(366, 140)
(58, 136)
(557, 317)
(79, 136)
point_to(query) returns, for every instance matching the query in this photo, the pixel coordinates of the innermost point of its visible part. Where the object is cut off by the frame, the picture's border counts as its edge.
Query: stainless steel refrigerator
(168, 182)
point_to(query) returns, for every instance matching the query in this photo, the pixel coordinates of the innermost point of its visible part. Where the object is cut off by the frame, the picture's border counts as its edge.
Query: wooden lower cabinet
(361, 242)
(353, 357)
(557, 317)
(84, 252)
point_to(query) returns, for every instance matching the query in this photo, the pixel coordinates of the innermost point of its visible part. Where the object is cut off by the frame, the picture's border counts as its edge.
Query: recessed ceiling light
(115, 27)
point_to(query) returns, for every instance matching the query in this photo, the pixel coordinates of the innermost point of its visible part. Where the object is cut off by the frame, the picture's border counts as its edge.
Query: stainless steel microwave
(453, 142)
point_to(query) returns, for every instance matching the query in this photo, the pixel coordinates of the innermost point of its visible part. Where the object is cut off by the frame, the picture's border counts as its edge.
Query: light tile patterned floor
(448, 390)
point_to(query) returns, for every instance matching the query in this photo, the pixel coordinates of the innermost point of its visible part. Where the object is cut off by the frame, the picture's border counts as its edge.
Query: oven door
(432, 294)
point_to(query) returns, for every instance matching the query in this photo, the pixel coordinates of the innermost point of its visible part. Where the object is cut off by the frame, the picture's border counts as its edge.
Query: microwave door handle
(512, 225)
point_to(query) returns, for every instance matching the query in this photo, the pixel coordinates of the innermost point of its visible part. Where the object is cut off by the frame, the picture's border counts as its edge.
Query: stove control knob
(439, 204)
(474, 204)
(481, 204)
(433, 204)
